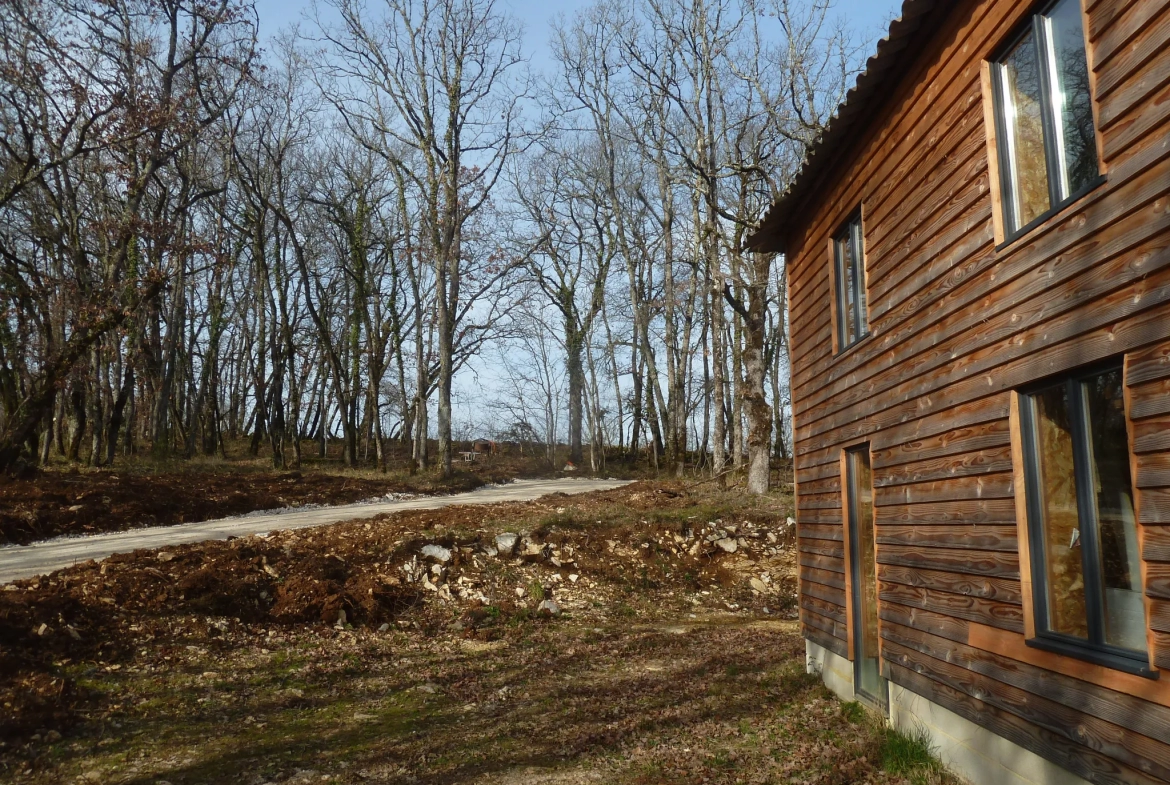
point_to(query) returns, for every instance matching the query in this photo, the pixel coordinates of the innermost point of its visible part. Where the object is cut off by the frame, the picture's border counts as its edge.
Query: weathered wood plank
(981, 512)
(1155, 506)
(824, 593)
(823, 577)
(825, 640)
(1158, 580)
(944, 625)
(1151, 435)
(819, 532)
(823, 548)
(991, 486)
(1149, 364)
(1153, 470)
(969, 464)
(994, 614)
(820, 562)
(824, 624)
(983, 538)
(826, 609)
(1003, 590)
(954, 441)
(1157, 544)
(968, 562)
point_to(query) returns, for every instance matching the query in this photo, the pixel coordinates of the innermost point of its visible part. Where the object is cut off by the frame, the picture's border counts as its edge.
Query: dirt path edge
(41, 558)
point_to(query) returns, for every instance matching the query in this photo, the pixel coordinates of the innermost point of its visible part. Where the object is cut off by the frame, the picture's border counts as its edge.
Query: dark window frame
(852, 233)
(1094, 649)
(1034, 26)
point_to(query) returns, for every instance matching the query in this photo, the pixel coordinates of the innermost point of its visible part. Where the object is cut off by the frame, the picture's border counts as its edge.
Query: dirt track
(40, 558)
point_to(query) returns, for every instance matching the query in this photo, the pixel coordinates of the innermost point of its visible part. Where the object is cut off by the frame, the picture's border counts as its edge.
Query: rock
(727, 544)
(533, 549)
(437, 552)
(341, 618)
(772, 538)
(573, 577)
(165, 556)
(491, 550)
(506, 542)
(791, 521)
(428, 585)
(520, 592)
(759, 585)
(52, 737)
(384, 627)
(549, 607)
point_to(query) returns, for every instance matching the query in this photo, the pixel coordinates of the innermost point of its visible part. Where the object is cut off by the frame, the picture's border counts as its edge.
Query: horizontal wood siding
(957, 324)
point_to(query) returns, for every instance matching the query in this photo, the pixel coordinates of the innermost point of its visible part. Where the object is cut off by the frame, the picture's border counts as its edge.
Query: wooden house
(978, 254)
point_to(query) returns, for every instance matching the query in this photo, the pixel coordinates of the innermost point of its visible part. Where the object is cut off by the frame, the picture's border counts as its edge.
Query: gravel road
(26, 561)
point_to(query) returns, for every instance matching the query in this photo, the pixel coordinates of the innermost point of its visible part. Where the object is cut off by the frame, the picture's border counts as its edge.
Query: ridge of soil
(54, 503)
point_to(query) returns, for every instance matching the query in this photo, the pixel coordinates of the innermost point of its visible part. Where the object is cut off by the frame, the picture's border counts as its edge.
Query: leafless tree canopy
(387, 216)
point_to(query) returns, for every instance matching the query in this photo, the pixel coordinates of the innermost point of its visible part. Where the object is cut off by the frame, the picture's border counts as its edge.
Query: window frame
(852, 491)
(1034, 26)
(850, 231)
(1093, 649)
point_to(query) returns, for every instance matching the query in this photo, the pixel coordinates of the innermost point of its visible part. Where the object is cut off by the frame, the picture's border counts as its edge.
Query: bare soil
(410, 649)
(72, 502)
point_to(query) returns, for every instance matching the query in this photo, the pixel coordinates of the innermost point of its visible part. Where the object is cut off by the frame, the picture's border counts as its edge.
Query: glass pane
(1072, 103)
(1061, 523)
(1023, 116)
(1125, 613)
(859, 277)
(865, 577)
(846, 299)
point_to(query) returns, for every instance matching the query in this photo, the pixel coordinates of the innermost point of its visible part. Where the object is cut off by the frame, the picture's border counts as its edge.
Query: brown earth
(54, 503)
(359, 653)
(362, 574)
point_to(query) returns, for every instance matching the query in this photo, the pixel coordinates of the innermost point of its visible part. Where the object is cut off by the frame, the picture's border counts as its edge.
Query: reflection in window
(1086, 563)
(849, 272)
(1048, 149)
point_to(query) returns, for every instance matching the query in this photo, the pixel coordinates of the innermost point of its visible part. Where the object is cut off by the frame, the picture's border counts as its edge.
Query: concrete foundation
(969, 750)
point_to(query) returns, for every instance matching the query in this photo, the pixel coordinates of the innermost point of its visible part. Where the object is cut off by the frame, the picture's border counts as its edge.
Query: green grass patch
(911, 755)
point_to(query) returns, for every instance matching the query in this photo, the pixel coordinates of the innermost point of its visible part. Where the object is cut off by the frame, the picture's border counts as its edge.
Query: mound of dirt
(50, 504)
(427, 570)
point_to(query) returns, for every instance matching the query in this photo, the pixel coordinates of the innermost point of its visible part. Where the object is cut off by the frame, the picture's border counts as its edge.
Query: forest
(386, 227)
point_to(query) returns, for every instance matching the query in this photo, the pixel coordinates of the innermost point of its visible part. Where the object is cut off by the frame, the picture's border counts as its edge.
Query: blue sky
(868, 17)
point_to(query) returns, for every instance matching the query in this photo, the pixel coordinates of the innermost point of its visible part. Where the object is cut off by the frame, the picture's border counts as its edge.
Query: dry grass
(664, 667)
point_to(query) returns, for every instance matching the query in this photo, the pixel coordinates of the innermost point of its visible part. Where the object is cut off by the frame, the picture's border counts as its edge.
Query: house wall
(958, 322)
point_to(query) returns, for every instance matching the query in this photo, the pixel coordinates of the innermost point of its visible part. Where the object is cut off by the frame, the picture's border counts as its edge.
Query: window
(1086, 567)
(849, 267)
(1047, 138)
(867, 679)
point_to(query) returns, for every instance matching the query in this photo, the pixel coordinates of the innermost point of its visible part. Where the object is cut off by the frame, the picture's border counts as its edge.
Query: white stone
(506, 542)
(727, 544)
(437, 552)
